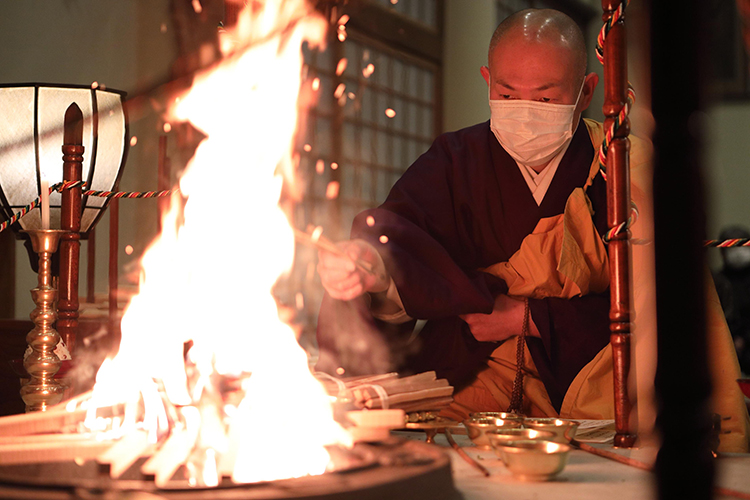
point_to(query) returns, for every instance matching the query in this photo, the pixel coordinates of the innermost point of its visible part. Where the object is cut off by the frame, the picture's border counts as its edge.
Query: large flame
(208, 277)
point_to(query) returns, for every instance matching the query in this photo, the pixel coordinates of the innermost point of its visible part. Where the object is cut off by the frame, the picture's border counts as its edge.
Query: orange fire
(208, 277)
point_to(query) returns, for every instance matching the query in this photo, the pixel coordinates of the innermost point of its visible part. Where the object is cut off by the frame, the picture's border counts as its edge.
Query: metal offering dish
(535, 460)
(478, 428)
(502, 437)
(497, 414)
(564, 429)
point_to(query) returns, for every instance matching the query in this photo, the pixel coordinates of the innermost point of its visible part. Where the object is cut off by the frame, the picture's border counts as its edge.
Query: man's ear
(485, 74)
(589, 85)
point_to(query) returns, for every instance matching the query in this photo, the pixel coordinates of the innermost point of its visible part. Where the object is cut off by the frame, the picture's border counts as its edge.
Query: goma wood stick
(421, 386)
(322, 243)
(117, 459)
(410, 397)
(463, 454)
(419, 378)
(369, 379)
(164, 463)
(31, 439)
(644, 466)
(611, 455)
(425, 404)
(40, 422)
(53, 449)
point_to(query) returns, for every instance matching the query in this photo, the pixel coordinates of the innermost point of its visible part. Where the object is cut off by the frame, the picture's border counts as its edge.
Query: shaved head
(545, 26)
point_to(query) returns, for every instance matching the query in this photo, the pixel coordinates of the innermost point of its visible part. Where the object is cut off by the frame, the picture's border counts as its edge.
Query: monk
(492, 239)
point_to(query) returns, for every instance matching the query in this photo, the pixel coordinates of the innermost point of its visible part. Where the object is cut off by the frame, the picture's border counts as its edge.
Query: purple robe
(463, 206)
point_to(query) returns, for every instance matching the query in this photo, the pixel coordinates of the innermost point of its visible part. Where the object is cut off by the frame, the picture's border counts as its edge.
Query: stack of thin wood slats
(415, 393)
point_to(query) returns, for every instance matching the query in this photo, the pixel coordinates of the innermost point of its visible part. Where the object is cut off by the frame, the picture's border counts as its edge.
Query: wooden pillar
(684, 465)
(163, 179)
(618, 211)
(114, 243)
(70, 220)
(91, 267)
(7, 276)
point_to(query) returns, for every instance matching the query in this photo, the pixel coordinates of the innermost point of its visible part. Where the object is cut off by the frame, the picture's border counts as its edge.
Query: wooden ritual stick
(419, 378)
(40, 422)
(118, 458)
(322, 243)
(32, 439)
(174, 452)
(425, 404)
(375, 402)
(644, 466)
(611, 456)
(54, 449)
(464, 455)
(416, 387)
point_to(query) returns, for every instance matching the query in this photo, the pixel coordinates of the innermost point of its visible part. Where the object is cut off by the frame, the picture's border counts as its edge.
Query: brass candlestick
(42, 363)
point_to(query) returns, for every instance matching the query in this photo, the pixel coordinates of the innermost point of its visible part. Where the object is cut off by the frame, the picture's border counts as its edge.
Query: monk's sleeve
(572, 332)
(421, 234)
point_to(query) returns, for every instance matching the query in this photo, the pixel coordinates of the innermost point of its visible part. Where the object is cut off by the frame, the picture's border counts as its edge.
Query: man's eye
(545, 99)
(505, 96)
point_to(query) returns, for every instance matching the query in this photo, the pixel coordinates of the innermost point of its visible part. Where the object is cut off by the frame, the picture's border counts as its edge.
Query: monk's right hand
(345, 280)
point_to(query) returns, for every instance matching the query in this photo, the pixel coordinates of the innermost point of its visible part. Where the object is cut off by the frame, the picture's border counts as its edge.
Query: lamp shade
(31, 138)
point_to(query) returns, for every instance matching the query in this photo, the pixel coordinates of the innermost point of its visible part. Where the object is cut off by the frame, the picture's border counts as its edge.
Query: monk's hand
(357, 270)
(505, 321)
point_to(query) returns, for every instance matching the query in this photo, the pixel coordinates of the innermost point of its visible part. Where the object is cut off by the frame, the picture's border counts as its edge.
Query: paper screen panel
(17, 157)
(53, 102)
(109, 151)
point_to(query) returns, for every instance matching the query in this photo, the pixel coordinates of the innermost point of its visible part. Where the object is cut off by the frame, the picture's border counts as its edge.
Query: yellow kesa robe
(565, 257)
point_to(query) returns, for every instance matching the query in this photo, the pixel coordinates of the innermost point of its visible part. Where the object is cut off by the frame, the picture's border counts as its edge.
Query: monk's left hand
(505, 321)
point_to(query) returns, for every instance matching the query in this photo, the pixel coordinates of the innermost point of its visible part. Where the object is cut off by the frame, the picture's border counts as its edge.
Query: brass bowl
(502, 437)
(535, 460)
(564, 429)
(497, 414)
(478, 428)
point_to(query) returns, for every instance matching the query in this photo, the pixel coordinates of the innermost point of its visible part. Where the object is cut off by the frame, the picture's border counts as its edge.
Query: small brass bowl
(564, 429)
(502, 437)
(535, 460)
(497, 414)
(478, 428)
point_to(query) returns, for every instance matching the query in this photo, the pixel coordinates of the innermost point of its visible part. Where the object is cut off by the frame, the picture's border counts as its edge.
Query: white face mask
(532, 132)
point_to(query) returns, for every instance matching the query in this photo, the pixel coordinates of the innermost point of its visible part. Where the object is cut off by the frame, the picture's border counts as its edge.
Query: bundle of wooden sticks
(56, 436)
(415, 393)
